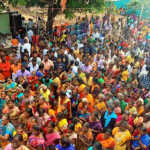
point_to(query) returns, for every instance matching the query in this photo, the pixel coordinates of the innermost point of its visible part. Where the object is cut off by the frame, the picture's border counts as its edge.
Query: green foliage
(13, 2)
(73, 6)
(27, 3)
(22, 2)
(2, 7)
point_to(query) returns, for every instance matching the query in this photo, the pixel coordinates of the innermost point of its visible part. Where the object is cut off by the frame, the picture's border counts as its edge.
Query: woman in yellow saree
(122, 136)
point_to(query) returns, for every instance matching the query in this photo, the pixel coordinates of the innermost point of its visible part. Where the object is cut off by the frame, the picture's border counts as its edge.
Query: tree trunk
(52, 13)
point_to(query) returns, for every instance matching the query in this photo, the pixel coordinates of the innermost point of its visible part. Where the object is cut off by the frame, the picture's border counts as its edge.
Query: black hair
(75, 121)
(34, 60)
(37, 128)
(71, 62)
(80, 80)
(52, 148)
(108, 131)
(41, 111)
(76, 63)
(29, 111)
(95, 80)
(25, 50)
(65, 142)
(19, 137)
(144, 129)
(60, 115)
(97, 146)
(34, 52)
(20, 126)
(148, 68)
(7, 116)
(95, 114)
(62, 93)
(41, 66)
(52, 124)
(71, 127)
(55, 86)
(86, 125)
(124, 124)
(55, 74)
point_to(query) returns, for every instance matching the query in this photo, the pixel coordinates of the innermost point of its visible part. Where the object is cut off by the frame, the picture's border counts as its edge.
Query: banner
(4, 23)
(63, 5)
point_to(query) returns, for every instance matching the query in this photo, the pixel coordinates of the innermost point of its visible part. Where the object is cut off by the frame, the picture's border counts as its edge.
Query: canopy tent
(118, 3)
(121, 3)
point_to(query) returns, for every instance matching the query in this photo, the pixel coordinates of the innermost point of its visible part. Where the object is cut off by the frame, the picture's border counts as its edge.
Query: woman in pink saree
(36, 140)
(52, 137)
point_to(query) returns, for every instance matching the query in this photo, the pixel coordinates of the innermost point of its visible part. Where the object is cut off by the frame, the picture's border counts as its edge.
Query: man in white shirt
(33, 66)
(35, 56)
(26, 46)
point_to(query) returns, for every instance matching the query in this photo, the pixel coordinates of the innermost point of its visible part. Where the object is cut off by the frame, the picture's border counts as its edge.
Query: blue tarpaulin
(121, 3)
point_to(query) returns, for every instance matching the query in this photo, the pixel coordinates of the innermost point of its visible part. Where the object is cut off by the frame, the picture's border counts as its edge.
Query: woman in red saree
(4, 68)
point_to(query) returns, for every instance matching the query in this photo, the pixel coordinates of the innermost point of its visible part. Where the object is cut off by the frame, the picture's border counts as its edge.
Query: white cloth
(70, 57)
(45, 52)
(55, 54)
(30, 34)
(27, 46)
(69, 93)
(75, 69)
(33, 68)
(143, 71)
(130, 69)
(96, 35)
(80, 45)
(80, 62)
(38, 60)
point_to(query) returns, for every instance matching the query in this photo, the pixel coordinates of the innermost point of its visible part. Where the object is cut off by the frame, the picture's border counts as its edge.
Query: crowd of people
(86, 87)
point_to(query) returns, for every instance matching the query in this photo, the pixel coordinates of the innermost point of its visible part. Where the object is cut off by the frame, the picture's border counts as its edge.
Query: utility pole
(142, 8)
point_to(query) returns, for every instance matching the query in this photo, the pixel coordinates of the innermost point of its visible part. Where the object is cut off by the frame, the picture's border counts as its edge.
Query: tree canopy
(71, 5)
(54, 7)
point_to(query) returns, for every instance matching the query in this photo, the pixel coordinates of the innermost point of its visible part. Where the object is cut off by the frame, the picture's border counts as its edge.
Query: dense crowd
(85, 87)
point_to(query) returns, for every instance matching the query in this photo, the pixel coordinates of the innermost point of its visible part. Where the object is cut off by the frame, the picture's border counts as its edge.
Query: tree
(54, 7)
(73, 6)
